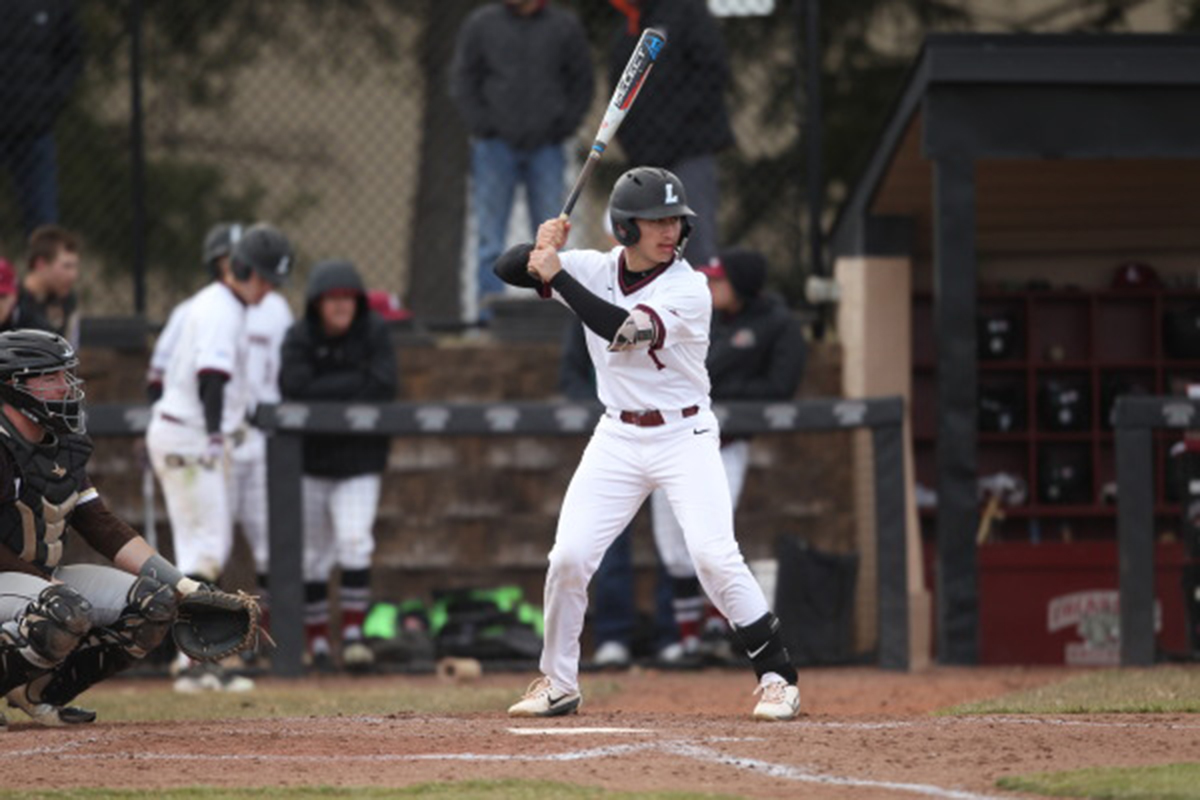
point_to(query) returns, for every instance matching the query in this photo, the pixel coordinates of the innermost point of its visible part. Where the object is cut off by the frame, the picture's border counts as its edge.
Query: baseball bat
(647, 51)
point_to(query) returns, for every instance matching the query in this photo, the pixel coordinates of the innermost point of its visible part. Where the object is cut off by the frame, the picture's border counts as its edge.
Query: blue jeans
(33, 164)
(614, 614)
(496, 169)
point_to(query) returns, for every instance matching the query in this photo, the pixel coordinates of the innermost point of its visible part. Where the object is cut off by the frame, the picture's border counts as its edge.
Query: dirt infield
(864, 734)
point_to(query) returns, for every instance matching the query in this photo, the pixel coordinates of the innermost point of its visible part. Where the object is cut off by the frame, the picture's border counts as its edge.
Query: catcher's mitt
(211, 624)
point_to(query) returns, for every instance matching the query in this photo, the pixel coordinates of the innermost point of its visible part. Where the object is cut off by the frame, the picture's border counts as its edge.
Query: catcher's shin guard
(45, 634)
(761, 640)
(144, 622)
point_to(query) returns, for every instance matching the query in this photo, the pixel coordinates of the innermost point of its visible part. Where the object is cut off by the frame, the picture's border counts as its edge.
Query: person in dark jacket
(522, 80)
(339, 350)
(756, 352)
(41, 57)
(680, 121)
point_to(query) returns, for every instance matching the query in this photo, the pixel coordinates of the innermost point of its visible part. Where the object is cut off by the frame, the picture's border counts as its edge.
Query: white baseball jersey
(266, 325)
(671, 374)
(212, 338)
(168, 337)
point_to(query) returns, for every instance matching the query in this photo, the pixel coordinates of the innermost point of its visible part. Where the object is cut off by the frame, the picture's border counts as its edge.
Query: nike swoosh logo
(754, 653)
(699, 431)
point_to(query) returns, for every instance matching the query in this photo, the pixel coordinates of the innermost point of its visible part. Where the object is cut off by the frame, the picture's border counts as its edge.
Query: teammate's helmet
(26, 353)
(263, 249)
(219, 242)
(647, 193)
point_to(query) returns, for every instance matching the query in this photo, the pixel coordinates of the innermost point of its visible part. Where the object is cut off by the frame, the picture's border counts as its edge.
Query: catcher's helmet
(219, 242)
(263, 249)
(647, 193)
(26, 353)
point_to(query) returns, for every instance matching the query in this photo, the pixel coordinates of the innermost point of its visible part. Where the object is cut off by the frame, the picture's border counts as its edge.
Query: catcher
(66, 628)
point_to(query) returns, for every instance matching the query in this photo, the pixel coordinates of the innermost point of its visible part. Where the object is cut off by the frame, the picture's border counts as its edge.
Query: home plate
(572, 731)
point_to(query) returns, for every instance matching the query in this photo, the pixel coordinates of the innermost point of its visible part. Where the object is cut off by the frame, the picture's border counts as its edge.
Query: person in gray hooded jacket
(339, 350)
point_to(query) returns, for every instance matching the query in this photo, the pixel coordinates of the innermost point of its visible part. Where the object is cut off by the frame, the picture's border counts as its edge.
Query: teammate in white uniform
(265, 326)
(205, 399)
(648, 314)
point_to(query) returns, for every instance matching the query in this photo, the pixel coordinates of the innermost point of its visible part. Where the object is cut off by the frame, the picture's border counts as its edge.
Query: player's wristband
(164, 571)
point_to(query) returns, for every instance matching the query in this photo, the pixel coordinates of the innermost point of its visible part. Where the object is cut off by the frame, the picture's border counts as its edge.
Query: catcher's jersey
(670, 374)
(211, 339)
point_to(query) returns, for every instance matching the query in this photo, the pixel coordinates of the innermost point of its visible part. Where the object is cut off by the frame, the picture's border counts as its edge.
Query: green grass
(1164, 782)
(464, 790)
(1162, 690)
(137, 701)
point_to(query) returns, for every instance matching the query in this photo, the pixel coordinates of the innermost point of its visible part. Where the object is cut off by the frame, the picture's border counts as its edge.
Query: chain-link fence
(139, 123)
(336, 121)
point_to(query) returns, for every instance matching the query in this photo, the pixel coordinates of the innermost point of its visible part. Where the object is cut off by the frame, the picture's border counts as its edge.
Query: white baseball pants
(197, 497)
(339, 518)
(621, 465)
(668, 533)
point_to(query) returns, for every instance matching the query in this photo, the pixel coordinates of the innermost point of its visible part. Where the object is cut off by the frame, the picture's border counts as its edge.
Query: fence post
(286, 526)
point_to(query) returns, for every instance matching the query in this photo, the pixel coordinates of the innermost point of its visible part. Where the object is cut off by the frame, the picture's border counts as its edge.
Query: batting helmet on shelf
(263, 249)
(219, 242)
(647, 193)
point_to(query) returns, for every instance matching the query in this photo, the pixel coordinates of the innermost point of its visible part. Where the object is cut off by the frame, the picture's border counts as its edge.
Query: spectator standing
(339, 350)
(41, 57)
(680, 121)
(201, 416)
(522, 80)
(614, 611)
(47, 299)
(756, 352)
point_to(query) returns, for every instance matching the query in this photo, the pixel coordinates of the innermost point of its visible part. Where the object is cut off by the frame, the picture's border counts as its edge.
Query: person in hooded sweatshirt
(340, 350)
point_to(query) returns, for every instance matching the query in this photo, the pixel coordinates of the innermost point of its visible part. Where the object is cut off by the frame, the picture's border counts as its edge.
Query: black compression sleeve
(212, 395)
(604, 318)
(512, 267)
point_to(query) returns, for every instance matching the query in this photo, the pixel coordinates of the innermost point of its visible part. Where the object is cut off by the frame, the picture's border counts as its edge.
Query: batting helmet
(647, 193)
(263, 249)
(219, 242)
(26, 353)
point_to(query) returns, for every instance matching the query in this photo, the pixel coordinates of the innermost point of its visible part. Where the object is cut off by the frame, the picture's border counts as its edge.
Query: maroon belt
(653, 418)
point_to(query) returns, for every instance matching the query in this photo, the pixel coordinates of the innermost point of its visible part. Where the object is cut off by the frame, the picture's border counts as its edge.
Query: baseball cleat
(539, 701)
(48, 715)
(779, 702)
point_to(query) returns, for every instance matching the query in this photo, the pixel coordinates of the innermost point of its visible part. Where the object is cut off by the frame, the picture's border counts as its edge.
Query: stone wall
(481, 511)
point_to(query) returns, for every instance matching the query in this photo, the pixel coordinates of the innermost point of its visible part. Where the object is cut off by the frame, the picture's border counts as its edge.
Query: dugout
(1038, 162)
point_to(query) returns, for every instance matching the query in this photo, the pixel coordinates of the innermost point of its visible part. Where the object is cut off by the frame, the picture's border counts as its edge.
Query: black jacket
(758, 353)
(680, 112)
(41, 57)
(357, 367)
(526, 80)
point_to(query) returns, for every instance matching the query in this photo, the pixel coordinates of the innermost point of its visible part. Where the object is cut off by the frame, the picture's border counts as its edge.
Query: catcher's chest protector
(50, 476)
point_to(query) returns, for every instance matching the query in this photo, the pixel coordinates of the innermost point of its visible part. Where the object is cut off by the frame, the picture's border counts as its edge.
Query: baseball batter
(647, 313)
(205, 400)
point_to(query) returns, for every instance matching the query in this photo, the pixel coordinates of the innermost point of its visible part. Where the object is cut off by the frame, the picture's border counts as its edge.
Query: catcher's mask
(648, 193)
(28, 356)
